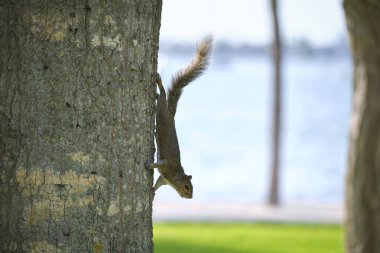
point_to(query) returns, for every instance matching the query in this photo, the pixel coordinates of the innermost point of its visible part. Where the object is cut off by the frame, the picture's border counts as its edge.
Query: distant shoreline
(301, 48)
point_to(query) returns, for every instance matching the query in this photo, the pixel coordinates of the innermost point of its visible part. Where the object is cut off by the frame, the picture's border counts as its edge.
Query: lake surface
(224, 125)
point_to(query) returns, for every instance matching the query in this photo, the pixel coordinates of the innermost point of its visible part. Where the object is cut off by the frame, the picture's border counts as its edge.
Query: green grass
(247, 237)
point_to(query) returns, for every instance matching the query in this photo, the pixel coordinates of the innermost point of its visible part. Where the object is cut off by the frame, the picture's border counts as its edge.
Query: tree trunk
(76, 125)
(273, 198)
(363, 178)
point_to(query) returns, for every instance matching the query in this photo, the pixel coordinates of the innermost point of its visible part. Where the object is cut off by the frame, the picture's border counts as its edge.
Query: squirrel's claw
(147, 165)
(158, 77)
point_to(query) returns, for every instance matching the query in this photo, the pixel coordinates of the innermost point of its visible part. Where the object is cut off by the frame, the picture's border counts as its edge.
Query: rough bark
(363, 178)
(76, 125)
(273, 198)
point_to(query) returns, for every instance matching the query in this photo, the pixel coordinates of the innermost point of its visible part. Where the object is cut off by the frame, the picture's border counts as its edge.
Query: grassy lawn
(247, 237)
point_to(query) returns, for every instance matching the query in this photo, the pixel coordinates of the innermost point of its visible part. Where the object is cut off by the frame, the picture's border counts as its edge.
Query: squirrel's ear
(190, 177)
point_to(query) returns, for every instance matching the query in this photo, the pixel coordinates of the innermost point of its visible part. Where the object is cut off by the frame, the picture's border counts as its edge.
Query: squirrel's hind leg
(160, 85)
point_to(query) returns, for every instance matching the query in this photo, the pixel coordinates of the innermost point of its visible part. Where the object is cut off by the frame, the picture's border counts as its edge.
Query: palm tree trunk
(76, 125)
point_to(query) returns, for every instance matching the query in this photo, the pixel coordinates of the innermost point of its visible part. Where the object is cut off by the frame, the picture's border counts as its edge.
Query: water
(223, 124)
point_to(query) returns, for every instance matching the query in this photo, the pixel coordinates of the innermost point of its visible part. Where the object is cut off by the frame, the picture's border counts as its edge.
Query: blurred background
(225, 118)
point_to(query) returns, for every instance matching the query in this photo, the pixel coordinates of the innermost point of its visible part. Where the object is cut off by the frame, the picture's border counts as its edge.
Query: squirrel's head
(185, 188)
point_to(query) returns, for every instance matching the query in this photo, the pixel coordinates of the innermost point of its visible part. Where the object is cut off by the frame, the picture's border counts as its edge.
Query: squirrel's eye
(187, 187)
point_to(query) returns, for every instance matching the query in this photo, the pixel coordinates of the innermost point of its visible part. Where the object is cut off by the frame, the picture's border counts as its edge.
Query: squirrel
(168, 154)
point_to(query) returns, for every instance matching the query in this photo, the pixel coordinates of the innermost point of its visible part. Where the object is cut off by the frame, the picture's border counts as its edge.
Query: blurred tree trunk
(363, 178)
(76, 125)
(273, 198)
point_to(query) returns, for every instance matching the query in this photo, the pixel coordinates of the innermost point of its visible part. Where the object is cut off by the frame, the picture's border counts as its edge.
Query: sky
(321, 22)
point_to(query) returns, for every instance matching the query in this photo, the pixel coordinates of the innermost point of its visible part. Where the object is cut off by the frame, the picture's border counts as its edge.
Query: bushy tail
(190, 73)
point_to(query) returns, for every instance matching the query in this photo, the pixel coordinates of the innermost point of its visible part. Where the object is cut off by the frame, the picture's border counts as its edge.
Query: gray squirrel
(168, 154)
